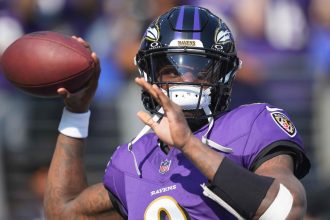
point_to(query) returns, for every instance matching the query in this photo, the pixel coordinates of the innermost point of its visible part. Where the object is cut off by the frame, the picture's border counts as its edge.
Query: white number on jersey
(165, 204)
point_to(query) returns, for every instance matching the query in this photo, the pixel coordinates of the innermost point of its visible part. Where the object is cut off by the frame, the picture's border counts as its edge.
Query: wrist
(189, 144)
(74, 124)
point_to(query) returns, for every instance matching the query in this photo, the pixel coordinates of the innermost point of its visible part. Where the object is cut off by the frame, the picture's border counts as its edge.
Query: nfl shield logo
(164, 166)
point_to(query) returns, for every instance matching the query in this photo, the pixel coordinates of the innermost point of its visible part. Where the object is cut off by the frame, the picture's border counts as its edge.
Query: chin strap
(144, 130)
(209, 142)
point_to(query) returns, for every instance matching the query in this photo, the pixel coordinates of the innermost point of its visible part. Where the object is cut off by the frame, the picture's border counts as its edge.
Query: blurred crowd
(284, 45)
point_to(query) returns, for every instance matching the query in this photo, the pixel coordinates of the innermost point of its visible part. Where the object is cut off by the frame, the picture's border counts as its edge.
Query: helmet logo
(222, 36)
(152, 33)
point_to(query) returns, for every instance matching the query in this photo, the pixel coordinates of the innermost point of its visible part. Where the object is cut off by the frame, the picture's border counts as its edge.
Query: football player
(200, 161)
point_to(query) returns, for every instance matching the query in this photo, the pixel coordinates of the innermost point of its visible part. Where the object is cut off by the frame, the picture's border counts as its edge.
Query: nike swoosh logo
(273, 109)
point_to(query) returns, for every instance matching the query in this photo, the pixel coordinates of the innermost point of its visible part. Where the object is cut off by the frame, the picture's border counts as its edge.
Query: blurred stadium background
(284, 45)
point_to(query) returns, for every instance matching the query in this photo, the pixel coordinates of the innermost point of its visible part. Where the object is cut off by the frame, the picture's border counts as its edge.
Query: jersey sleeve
(113, 181)
(273, 133)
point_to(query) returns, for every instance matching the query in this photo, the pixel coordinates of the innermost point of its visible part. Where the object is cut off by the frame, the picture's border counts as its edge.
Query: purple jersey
(169, 185)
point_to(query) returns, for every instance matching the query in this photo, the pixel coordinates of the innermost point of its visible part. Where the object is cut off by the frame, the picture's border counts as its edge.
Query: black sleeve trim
(301, 162)
(117, 205)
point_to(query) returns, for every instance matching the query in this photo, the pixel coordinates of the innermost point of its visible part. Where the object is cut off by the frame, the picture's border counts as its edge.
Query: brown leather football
(41, 62)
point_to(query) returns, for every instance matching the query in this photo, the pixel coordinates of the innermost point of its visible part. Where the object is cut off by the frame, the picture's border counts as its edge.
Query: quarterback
(200, 161)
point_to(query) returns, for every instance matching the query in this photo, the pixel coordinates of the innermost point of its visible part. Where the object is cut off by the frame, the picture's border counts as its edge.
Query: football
(41, 62)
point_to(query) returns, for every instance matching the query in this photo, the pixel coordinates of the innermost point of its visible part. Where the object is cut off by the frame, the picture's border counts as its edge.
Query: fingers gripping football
(83, 42)
(81, 100)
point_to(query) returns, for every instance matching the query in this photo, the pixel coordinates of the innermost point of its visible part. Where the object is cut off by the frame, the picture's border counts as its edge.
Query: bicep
(92, 203)
(281, 168)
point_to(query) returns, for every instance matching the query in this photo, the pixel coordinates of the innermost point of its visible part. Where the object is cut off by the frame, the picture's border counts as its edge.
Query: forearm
(281, 168)
(203, 157)
(66, 178)
(258, 189)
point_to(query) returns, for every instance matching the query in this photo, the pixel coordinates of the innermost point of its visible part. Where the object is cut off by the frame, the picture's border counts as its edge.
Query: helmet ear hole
(141, 62)
(149, 103)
